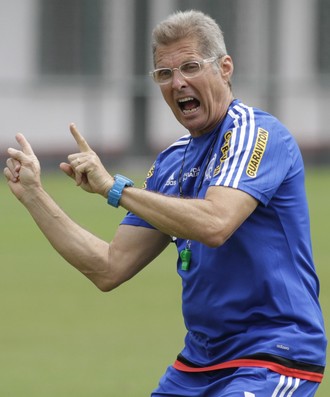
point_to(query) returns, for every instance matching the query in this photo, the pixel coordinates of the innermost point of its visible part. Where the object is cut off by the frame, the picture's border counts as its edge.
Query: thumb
(68, 170)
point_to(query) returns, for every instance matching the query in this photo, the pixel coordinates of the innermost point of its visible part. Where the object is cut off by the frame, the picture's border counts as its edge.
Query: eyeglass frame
(200, 64)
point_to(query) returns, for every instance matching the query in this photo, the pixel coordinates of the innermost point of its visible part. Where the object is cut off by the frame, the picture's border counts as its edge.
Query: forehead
(177, 52)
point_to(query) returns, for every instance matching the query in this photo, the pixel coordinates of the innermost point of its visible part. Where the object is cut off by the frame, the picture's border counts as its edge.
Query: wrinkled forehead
(176, 51)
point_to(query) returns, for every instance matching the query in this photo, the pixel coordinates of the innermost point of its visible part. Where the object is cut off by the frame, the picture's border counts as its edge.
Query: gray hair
(187, 24)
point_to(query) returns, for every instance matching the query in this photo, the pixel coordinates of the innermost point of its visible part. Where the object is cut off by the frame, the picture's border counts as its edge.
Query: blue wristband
(114, 194)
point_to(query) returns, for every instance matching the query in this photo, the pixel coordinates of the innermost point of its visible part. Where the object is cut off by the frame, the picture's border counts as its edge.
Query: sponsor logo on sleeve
(257, 154)
(224, 150)
(149, 175)
(151, 171)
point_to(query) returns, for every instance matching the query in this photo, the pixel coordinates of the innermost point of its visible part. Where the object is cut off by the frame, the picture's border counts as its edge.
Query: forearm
(107, 265)
(83, 250)
(183, 218)
(211, 220)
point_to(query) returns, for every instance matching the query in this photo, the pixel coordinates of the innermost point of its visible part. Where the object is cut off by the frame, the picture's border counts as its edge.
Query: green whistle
(185, 256)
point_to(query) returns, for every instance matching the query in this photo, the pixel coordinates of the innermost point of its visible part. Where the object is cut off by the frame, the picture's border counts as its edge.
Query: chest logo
(171, 181)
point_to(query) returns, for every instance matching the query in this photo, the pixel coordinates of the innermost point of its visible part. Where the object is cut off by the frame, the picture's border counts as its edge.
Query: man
(231, 196)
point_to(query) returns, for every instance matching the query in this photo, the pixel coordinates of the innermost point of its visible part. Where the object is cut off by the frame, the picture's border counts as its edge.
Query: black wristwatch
(114, 194)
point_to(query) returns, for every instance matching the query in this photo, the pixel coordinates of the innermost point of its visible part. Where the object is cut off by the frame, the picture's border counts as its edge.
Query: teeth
(190, 110)
(181, 101)
(185, 99)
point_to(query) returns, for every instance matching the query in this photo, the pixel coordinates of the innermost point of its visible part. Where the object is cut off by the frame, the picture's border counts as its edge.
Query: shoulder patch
(257, 154)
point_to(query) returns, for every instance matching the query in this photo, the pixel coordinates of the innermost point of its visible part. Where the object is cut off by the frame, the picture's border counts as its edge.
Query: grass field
(60, 336)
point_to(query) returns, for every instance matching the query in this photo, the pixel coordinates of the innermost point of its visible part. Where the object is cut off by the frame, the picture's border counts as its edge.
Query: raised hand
(23, 168)
(86, 167)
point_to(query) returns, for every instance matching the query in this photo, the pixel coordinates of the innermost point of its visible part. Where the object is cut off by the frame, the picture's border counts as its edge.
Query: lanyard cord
(180, 178)
(181, 169)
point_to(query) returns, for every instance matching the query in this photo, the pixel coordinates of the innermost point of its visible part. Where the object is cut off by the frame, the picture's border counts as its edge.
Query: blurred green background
(60, 336)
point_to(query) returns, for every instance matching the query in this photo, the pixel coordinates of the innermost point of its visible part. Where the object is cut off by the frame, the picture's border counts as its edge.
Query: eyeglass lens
(188, 69)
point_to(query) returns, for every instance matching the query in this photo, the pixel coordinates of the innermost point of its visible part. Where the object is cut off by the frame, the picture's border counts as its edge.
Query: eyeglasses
(188, 70)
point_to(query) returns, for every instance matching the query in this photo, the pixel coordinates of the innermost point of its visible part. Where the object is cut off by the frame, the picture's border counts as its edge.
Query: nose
(178, 81)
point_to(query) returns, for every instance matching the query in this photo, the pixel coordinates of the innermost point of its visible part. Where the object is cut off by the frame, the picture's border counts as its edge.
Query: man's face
(198, 103)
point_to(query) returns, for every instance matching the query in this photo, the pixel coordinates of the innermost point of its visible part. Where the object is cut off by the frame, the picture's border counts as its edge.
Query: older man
(230, 195)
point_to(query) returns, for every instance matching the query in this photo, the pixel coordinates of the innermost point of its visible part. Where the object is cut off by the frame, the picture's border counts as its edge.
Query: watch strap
(115, 193)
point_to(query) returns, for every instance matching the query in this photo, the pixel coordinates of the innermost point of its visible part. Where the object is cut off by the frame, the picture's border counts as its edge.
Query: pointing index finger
(81, 141)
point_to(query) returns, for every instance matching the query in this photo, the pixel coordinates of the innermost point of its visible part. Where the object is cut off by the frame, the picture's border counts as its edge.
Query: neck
(222, 114)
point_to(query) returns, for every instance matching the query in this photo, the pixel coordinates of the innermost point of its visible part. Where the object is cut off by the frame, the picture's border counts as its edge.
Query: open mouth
(189, 105)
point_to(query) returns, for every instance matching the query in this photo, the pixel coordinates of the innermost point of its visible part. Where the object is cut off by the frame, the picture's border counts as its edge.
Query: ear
(227, 67)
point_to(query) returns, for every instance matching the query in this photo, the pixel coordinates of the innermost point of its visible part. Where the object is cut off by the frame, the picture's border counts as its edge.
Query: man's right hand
(23, 169)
